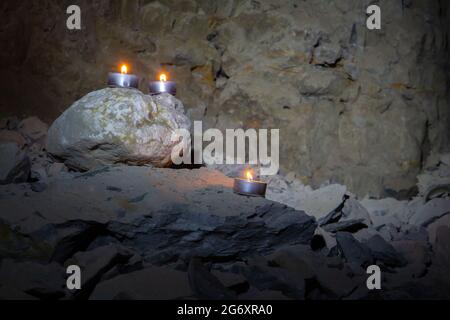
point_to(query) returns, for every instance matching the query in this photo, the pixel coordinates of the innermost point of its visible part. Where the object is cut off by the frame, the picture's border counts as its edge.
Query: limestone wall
(363, 108)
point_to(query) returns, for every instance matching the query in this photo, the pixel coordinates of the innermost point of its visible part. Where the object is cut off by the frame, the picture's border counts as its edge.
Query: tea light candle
(250, 187)
(123, 79)
(161, 86)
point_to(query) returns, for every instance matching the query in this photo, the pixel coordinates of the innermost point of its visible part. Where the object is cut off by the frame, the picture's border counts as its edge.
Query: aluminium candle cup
(250, 187)
(157, 87)
(122, 80)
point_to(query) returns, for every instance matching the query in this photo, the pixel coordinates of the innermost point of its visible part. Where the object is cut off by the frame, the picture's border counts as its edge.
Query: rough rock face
(116, 125)
(355, 106)
(164, 213)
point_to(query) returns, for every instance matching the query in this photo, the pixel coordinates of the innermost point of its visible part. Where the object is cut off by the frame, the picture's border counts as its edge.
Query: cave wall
(360, 107)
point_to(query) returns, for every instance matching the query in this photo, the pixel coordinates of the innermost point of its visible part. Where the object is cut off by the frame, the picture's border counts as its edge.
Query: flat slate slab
(163, 213)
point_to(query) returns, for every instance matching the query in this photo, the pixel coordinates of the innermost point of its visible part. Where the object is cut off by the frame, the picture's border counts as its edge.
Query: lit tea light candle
(161, 86)
(123, 79)
(250, 187)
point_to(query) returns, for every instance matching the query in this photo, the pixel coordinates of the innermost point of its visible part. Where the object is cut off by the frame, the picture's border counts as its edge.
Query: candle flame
(124, 69)
(249, 175)
(163, 77)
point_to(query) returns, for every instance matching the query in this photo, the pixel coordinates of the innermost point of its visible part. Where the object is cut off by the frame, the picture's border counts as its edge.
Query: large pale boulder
(117, 125)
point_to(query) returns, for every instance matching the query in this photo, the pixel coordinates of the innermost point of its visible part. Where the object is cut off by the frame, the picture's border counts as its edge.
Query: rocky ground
(171, 233)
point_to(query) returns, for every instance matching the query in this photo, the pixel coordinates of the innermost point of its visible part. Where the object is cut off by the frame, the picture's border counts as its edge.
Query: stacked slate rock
(23, 157)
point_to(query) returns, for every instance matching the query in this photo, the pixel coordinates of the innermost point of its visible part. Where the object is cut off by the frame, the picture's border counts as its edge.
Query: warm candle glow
(124, 69)
(163, 77)
(249, 175)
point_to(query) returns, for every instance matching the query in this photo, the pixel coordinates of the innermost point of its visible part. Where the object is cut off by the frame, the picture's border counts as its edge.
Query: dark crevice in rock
(437, 191)
(331, 65)
(351, 226)
(426, 145)
(77, 240)
(334, 215)
(212, 36)
(165, 65)
(404, 194)
(315, 45)
(422, 49)
(220, 259)
(386, 108)
(311, 284)
(318, 243)
(89, 286)
(221, 74)
(353, 36)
